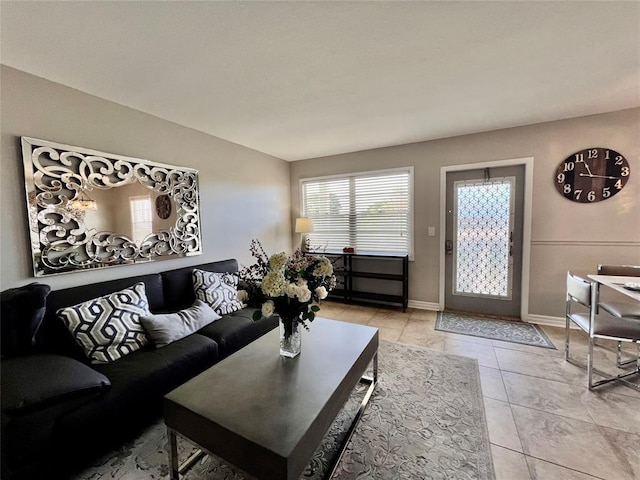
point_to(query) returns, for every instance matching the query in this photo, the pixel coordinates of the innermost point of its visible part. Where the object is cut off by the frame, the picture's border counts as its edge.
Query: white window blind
(141, 217)
(368, 211)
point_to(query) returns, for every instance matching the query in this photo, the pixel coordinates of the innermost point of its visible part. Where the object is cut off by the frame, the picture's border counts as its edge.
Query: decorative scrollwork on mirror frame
(78, 222)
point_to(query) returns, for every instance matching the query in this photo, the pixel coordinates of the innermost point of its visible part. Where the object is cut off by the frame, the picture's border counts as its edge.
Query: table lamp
(304, 225)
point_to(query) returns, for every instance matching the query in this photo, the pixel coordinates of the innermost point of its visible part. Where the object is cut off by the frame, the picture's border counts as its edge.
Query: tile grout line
(510, 408)
(557, 465)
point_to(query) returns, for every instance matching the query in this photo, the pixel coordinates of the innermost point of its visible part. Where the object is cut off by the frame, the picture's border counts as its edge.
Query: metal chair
(620, 308)
(582, 296)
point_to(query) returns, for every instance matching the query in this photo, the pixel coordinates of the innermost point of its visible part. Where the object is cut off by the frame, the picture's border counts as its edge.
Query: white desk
(617, 284)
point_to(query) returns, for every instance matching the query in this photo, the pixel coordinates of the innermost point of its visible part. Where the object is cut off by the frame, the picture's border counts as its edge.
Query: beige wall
(564, 235)
(244, 194)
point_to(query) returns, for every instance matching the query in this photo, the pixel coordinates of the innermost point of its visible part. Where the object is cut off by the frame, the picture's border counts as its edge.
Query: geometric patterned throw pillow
(109, 327)
(219, 290)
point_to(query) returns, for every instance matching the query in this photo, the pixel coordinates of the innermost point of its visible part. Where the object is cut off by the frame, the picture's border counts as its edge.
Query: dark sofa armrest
(36, 381)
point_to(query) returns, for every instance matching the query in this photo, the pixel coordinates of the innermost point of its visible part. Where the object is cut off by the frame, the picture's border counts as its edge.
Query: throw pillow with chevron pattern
(108, 328)
(219, 290)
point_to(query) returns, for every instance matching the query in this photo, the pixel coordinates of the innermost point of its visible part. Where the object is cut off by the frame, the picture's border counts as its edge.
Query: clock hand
(588, 169)
(598, 176)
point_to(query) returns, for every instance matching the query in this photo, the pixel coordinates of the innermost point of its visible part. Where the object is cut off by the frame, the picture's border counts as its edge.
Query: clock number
(618, 185)
(618, 160)
(593, 153)
(567, 188)
(606, 193)
(569, 166)
(624, 171)
(606, 155)
(579, 157)
(591, 196)
(577, 194)
(560, 178)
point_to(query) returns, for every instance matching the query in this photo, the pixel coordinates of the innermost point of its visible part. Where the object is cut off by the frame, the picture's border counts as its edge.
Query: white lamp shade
(304, 225)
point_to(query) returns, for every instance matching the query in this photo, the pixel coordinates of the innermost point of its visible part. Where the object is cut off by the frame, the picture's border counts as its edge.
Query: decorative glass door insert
(483, 226)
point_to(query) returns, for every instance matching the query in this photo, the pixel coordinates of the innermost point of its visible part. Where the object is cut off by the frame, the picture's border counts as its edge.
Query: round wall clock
(592, 175)
(163, 206)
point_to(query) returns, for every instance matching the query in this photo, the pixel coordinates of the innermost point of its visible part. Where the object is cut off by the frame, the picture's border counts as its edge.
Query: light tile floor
(543, 421)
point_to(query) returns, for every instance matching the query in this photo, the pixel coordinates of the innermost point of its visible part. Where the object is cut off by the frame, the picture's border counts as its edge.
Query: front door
(483, 261)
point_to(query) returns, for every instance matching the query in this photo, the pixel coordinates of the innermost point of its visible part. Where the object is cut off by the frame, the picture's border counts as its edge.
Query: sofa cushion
(234, 331)
(22, 311)
(138, 383)
(218, 290)
(153, 372)
(164, 329)
(109, 327)
(28, 438)
(39, 380)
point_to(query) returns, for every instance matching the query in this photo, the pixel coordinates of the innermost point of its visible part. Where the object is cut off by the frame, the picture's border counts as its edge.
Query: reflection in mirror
(90, 209)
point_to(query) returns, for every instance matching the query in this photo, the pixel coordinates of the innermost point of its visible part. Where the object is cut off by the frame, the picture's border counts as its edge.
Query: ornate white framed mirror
(89, 209)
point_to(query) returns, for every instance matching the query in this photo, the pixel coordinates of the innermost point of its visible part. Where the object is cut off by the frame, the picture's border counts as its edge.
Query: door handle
(448, 247)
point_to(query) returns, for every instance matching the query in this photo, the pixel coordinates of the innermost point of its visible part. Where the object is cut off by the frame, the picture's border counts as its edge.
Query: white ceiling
(306, 79)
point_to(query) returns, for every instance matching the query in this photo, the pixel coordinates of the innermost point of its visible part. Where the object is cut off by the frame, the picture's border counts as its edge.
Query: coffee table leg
(175, 468)
(375, 368)
(173, 455)
(372, 382)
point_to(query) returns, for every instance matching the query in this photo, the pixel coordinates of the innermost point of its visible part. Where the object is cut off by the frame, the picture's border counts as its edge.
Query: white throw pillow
(109, 327)
(164, 329)
(218, 290)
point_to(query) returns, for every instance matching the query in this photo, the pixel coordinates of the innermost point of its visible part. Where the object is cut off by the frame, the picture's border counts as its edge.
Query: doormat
(495, 329)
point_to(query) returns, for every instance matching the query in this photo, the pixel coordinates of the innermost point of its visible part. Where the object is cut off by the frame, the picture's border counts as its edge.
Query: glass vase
(290, 338)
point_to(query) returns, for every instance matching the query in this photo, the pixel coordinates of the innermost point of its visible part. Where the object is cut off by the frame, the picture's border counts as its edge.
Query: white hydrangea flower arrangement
(289, 286)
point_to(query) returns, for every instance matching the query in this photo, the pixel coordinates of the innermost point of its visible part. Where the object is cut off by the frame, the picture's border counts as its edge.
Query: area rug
(496, 329)
(425, 420)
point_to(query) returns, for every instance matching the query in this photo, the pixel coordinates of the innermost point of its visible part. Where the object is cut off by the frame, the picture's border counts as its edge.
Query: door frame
(526, 222)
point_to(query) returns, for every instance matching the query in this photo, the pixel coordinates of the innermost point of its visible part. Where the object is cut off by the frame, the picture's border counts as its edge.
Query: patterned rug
(425, 420)
(496, 329)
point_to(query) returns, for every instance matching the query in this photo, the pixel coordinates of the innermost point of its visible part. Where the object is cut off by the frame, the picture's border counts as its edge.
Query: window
(371, 211)
(484, 215)
(141, 217)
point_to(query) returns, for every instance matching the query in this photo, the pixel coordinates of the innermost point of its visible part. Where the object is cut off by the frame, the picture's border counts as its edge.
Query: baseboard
(546, 320)
(538, 319)
(424, 305)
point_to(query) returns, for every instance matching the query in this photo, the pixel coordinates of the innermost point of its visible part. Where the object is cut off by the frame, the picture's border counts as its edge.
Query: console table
(351, 266)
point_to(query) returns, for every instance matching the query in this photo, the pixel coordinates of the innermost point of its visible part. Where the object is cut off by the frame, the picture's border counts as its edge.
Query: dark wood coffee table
(267, 414)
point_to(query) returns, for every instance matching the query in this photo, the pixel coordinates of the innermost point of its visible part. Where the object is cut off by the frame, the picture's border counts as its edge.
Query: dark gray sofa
(59, 411)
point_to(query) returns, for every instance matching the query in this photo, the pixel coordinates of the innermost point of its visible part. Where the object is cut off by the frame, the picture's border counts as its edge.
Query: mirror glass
(90, 209)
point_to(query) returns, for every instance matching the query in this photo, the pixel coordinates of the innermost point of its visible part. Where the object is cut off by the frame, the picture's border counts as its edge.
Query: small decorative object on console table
(291, 287)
